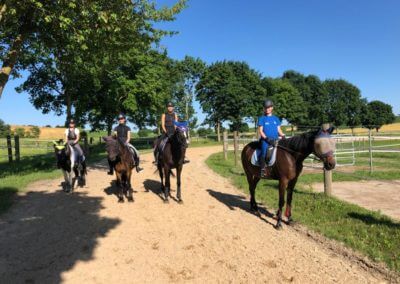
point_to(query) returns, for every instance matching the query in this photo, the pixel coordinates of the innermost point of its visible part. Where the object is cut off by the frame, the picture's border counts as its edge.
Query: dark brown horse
(123, 162)
(172, 158)
(290, 155)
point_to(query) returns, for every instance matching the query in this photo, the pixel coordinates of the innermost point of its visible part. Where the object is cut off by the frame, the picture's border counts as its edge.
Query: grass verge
(369, 232)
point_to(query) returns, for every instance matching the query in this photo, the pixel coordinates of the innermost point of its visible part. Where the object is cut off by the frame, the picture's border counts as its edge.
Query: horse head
(62, 151)
(181, 132)
(112, 147)
(325, 146)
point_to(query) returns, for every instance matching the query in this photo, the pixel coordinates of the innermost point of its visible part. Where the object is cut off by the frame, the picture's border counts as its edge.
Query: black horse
(172, 157)
(289, 164)
(66, 161)
(123, 163)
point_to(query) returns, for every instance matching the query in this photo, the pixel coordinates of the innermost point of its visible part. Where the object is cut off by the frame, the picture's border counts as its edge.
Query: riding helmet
(121, 115)
(71, 121)
(268, 103)
(170, 104)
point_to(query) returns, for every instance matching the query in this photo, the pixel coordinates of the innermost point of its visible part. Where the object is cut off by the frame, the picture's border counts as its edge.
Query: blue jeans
(264, 148)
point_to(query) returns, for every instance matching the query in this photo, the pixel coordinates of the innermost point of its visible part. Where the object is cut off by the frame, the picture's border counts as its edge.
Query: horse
(66, 157)
(172, 157)
(290, 155)
(123, 162)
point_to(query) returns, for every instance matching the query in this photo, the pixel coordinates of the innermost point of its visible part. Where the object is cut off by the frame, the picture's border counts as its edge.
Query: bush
(20, 132)
(4, 129)
(35, 132)
(202, 131)
(145, 132)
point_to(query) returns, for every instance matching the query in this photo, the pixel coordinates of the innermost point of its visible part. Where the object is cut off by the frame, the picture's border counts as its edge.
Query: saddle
(270, 158)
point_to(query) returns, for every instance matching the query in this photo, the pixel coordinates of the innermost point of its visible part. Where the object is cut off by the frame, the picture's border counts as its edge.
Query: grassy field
(369, 232)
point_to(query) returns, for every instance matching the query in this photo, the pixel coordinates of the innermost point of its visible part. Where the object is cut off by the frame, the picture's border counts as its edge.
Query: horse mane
(299, 143)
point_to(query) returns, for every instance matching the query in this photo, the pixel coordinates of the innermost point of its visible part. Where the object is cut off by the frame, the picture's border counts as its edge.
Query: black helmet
(268, 103)
(71, 121)
(121, 115)
(170, 104)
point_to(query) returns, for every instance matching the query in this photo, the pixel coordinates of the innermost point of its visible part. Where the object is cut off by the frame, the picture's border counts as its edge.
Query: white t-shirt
(76, 131)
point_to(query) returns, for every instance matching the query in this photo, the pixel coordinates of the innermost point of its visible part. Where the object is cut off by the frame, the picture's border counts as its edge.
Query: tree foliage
(5, 129)
(376, 114)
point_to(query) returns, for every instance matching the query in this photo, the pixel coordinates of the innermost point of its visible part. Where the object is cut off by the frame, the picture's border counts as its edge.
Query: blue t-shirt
(270, 125)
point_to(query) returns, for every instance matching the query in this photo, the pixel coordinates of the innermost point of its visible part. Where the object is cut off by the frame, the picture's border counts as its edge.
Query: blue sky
(355, 40)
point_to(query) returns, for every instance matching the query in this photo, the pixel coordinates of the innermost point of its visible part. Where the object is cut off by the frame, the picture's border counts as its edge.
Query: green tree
(20, 132)
(345, 103)
(73, 31)
(225, 92)
(314, 95)
(288, 103)
(145, 132)
(376, 114)
(35, 132)
(4, 129)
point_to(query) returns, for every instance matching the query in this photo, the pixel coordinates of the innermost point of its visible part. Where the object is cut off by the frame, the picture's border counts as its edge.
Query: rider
(72, 137)
(269, 128)
(123, 132)
(168, 126)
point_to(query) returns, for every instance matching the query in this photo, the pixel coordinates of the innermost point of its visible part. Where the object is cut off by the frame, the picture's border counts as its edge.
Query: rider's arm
(163, 123)
(176, 119)
(128, 137)
(261, 132)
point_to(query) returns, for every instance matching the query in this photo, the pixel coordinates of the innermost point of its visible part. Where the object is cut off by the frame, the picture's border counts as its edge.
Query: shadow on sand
(46, 233)
(236, 201)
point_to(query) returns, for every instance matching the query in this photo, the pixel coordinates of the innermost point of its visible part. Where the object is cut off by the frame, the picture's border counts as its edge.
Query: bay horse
(172, 157)
(123, 163)
(290, 155)
(66, 161)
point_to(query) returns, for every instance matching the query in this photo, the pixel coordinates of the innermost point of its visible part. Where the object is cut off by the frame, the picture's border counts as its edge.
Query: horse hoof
(166, 201)
(290, 221)
(278, 227)
(120, 200)
(180, 201)
(130, 199)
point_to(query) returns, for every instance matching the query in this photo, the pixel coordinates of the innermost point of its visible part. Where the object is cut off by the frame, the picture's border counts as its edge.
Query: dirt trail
(87, 237)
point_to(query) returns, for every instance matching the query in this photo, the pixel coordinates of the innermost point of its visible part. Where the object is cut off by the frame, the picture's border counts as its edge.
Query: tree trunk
(68, 104)
(9, 62)
(218, 132)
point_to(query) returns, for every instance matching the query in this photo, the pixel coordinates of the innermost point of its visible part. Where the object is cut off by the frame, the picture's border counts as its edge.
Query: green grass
(369, 232)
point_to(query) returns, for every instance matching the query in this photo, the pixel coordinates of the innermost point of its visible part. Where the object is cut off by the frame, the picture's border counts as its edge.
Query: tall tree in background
(186, 75)
(345, 103)
(288, 103)
(376, 114)
(314, 94)
(225, 91)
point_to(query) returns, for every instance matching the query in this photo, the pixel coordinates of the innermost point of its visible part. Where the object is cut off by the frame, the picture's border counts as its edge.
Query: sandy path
(375, 195)
(87, 237)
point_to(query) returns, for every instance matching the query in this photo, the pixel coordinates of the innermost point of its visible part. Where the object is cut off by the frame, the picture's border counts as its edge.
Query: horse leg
(130, 190)
(167, 174)
(289, 195)
(252, 180)
(160, 171)
(120, 184)
(282, 186)
(178, 183)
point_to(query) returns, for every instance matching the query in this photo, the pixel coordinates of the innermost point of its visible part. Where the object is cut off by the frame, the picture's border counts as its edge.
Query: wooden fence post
(235, 146)
(370, 151)
(91, 140)
(17, 148)
(328, 182)
(9, 147)
(225, 145)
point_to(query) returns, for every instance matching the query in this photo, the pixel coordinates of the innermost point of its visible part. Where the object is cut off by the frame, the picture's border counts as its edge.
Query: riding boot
(263, 173)
(185, 160)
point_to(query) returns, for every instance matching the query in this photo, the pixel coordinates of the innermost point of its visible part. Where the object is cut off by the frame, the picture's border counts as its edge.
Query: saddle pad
(255, 158)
